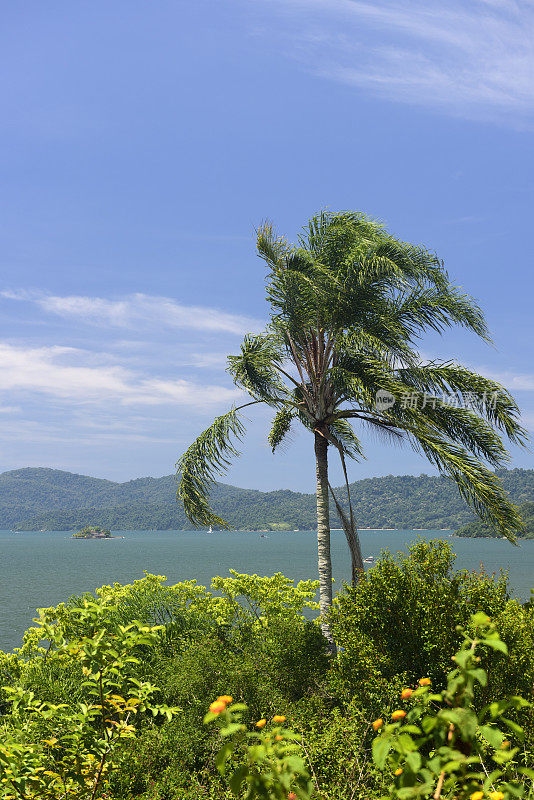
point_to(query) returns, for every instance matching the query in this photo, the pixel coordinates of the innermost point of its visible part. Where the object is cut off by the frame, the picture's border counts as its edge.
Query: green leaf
(517, 729)
(381, 747)
(480, 675)
(428, 724)
(231, 728)
(222, 755)
(414, 761)
(237, 779)
(496, 644)
(492, 735)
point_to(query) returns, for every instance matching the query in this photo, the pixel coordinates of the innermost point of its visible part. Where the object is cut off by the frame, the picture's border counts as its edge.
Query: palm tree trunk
(323, 537)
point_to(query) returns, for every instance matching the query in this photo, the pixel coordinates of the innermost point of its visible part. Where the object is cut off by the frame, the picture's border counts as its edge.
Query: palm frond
(344, 435)
(472, 390)
(208, 457)
(272, 249)
(280, 427)
(437, 309)
(480, 487)
(254, 369)
(459, 425)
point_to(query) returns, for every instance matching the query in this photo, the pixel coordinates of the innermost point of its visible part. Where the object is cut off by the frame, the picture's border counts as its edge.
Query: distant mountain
(41, 498)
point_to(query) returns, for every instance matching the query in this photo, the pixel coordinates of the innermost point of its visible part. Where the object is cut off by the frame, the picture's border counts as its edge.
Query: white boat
(210, 530)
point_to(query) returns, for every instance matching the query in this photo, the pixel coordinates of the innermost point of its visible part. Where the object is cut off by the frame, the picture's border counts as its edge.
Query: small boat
(210, 529)
(368, 560)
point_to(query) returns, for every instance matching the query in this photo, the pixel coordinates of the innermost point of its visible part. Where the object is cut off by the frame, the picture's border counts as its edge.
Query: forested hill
(40, 498)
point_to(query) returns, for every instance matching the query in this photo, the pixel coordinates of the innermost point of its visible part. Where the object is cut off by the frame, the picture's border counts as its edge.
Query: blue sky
(142, 142)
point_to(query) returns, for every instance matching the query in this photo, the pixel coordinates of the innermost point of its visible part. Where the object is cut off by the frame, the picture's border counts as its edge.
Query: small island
(93, 532)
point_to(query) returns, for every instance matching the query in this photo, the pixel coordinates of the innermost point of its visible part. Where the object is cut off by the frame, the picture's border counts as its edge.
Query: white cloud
(474, 59)
(513, 381)
(139, 310)
(51, 371)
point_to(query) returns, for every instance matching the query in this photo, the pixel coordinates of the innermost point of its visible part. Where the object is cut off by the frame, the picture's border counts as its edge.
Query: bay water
(40, 569)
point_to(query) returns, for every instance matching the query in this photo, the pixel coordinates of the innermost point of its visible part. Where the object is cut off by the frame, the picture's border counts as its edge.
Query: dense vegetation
(36, 498)
(252, 641)
(479, 529)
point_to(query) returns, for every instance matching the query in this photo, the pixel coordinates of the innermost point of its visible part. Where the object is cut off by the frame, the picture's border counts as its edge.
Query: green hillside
(41, 498)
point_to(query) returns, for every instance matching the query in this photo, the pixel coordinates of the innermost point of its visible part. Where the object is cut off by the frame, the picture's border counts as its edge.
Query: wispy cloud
(138, 310)
(69, 374)
(471, 58)
(514, 381)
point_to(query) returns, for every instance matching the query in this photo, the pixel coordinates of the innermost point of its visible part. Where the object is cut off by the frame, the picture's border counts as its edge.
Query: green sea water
(43, 569)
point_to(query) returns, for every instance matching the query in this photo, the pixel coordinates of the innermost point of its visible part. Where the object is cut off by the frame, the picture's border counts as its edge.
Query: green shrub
(402, 618)
(249, 637)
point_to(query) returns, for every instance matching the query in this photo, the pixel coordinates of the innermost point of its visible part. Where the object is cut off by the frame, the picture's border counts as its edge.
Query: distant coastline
(42, 499)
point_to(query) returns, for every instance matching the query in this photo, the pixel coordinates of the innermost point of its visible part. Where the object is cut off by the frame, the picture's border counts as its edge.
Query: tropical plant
(274, 767)
(441, 745)
(349, 303)
(57, 751)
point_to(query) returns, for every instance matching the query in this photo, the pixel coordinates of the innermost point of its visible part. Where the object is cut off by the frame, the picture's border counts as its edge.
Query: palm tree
(349, 304)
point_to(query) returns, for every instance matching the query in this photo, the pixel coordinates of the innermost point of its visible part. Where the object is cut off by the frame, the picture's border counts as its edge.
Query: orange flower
(477, 796)
(278, 738)
(292, 796)
(225, 698)
(398, 771)
(217, 707)
(399, 714)
(279, 718)
(427, 682)
(377, 724)
(505, 744)
(406, 694)
(261, 723)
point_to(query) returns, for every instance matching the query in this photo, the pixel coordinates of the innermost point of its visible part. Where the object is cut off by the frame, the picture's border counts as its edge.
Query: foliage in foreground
(66, 750)
(176, 648)
(440, 745)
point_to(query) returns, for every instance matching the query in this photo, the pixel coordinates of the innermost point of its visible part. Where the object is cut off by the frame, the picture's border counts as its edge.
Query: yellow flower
(50, 742)
(278, 738)
(225, 698)
(424, 681)
(217, 707)
(406, 694)
(496, 795)
(398, 771)
(279, 718)
(399, 714)
(477, 796)
(261, 723)
(377, 724)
